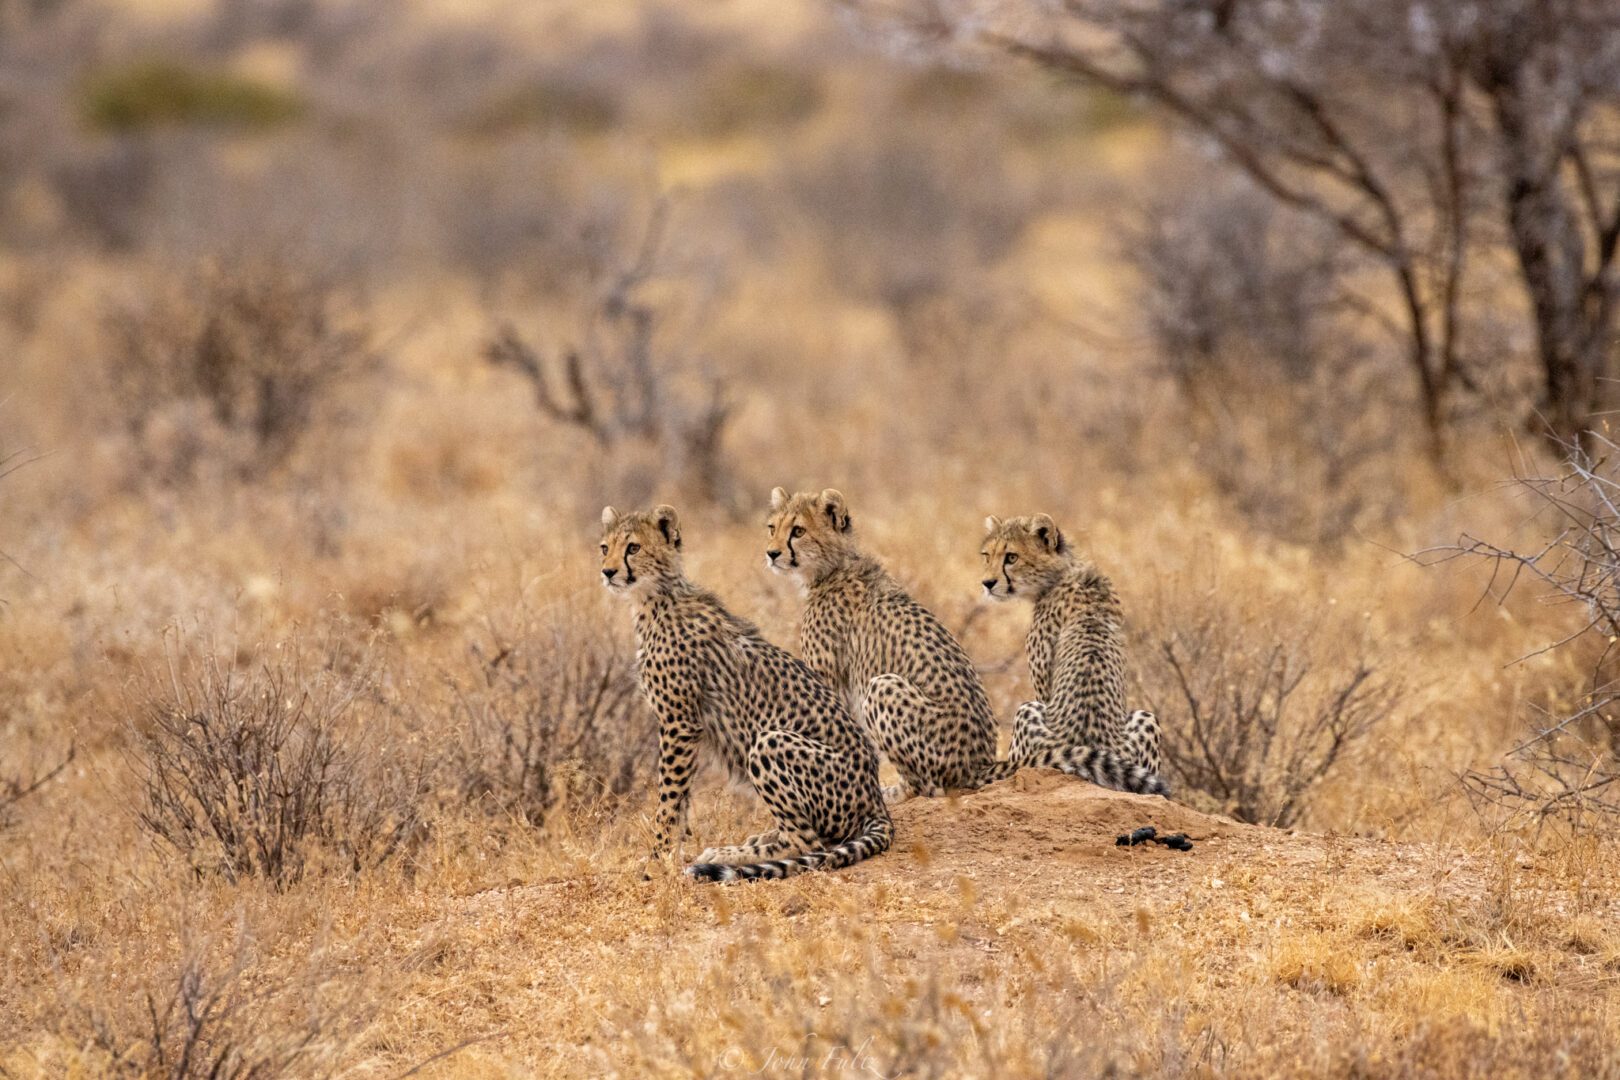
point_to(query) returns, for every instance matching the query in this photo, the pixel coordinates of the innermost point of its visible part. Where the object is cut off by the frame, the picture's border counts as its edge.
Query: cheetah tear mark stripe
(873, 840)
(1102, 767)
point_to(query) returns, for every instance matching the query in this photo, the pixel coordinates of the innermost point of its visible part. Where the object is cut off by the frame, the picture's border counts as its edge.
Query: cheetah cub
(713, 678)
(1076, 651)
(901, 671)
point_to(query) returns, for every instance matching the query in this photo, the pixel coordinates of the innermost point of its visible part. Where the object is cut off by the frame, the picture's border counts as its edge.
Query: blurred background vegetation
(328, 326)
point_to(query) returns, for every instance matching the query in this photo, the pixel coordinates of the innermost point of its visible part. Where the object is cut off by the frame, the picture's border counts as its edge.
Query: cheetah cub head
(1023, 556)
(641, 552)
(807, 532)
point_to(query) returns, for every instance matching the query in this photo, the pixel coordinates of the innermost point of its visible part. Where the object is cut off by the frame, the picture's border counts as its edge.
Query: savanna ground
(327, 330)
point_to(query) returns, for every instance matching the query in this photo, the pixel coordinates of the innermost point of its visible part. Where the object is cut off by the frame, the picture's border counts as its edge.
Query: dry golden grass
(441, 520)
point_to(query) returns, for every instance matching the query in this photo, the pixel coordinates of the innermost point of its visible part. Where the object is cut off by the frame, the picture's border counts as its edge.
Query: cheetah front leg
(677, 763)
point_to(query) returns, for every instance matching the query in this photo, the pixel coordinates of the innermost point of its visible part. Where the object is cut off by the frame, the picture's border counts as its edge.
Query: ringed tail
(998, 770)
(874, 839)
(1102, 767)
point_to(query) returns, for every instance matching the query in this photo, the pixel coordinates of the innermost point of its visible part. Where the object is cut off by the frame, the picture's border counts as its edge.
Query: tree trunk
(1551, 252)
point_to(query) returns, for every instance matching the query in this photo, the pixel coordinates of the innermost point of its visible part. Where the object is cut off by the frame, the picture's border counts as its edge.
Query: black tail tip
(707, 872)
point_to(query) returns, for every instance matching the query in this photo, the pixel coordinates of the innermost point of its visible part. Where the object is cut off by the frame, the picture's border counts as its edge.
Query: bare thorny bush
(1568, 766)
(15, 787)
(551, 717)
(216, 1012)
(232, 366)
(257, 771)
(621, 385)
(1254, 718)
(903, 219)
(1245, 303)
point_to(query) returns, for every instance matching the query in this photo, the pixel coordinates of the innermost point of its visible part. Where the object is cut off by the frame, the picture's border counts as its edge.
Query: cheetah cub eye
(631, 549)
(1011, 558)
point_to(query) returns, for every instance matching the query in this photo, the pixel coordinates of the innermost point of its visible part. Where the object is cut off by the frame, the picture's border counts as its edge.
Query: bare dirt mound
(1046, 815)
(1054, 834)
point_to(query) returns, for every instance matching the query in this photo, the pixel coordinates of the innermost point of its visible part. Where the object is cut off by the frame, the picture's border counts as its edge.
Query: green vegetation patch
(160, 93)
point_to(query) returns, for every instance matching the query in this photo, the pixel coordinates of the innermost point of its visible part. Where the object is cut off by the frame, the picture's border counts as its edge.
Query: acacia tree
(1427, 134)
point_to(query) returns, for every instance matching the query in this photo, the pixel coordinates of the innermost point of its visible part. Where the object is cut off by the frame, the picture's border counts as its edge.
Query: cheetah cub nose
(989, 585)
(609, 573)
(773, 555)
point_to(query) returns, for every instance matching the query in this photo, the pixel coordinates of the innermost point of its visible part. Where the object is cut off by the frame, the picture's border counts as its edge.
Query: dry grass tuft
(1312, 962)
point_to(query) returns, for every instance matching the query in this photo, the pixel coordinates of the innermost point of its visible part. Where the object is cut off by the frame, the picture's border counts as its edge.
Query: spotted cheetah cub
(898, 667)
(713, 678)
(1076, 650)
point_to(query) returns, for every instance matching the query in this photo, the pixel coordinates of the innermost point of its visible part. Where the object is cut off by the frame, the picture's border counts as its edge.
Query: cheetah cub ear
(992, 523)
(609, 516)
(1046, 530)
(668, 523)
(779, 498)
(832, 504)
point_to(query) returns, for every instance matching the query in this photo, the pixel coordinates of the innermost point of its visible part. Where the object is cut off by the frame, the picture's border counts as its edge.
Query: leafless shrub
(1245, 303)
(15, 788)
(1231, 276)
(554, 717)
(613, 385)
(213, 1016)
(903, 218)
(232, 362)
(1253, 718)
(255, 773)
(1295, 462)
(1255, 309)
(1568, 766)
(10, 462)
(105, 188)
